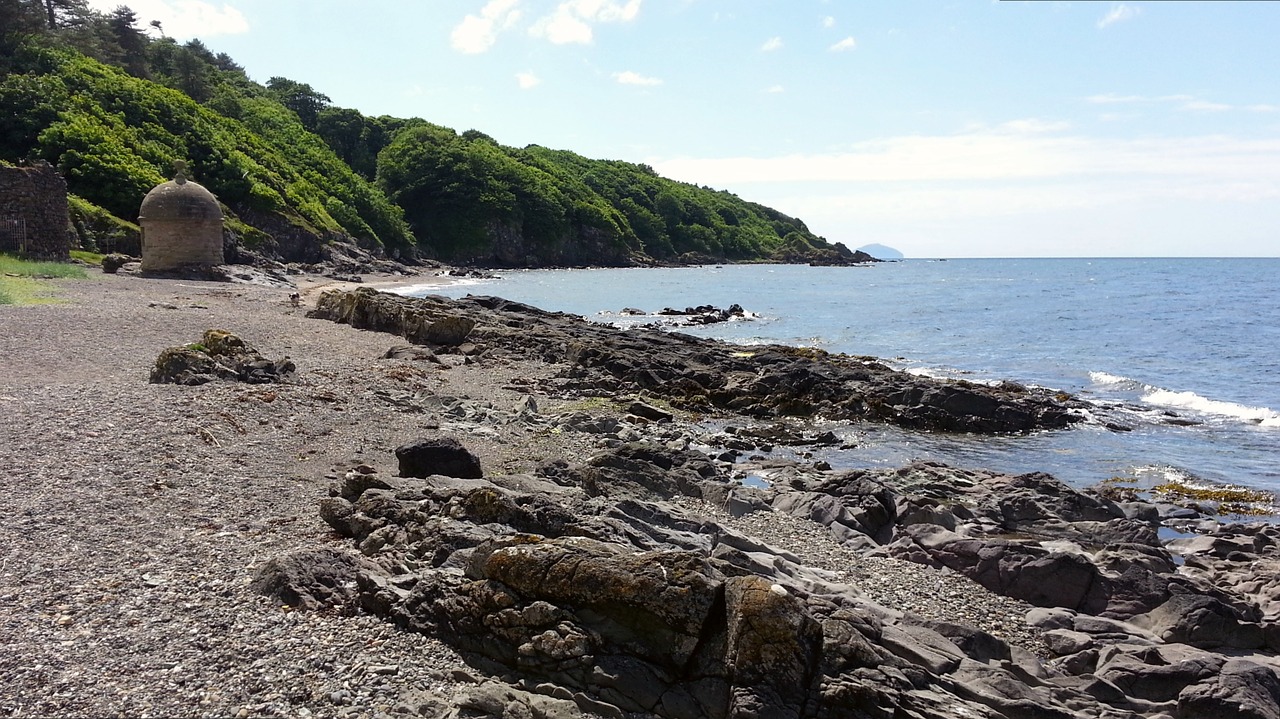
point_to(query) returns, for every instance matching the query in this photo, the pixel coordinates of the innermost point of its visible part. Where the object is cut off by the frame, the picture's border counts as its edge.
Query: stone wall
(33, 212)
(176, 245)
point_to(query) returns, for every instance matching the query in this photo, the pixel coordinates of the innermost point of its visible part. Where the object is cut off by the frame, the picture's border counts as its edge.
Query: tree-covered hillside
(112, 107)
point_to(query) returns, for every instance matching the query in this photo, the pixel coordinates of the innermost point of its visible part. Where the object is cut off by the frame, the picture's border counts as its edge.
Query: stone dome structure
(181, 227)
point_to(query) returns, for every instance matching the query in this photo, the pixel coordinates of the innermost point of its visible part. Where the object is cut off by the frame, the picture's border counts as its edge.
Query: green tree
(304, 100)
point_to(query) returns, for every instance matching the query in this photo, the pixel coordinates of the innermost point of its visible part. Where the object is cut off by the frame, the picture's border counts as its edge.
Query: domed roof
(180, 199)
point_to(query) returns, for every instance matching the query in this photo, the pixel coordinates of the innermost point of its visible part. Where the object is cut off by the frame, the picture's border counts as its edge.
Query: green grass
(21, 281)
(11, 265)
(89, 258)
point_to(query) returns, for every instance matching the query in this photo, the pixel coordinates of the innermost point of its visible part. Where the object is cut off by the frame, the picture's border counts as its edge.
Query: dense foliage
(113, 107)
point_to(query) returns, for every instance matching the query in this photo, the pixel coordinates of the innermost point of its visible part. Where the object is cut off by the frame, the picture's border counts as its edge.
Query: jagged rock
(1240, 690)
(219, 355)
(1157, 674)
(1201, 621)
(588, 583)
(416, 322)
(437, 455)
(698, 373)
(1024, 571)
(491, 700)
(312, 579)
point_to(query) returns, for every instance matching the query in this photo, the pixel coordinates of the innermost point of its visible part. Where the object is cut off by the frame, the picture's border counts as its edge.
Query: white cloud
(183, 19)
(1002, 154)
(1119, 13)
(775, 89)
(570, 23)
(634, 78)
(1184, 102)
(527, 80)
(1205, 106)
(828, 21)
(773, 43)
(846, 44)
(1035, 126)
(477, 33)
(1002, 192)
(562, 29)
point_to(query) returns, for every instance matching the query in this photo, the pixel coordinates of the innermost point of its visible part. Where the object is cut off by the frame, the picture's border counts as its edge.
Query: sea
(1185, 353)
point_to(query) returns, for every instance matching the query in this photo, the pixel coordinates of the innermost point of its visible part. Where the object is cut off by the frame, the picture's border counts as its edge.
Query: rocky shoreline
(519, 514)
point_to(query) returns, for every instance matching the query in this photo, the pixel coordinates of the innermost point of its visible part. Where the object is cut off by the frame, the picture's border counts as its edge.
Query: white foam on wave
(430, 288)
(1108, 378)
(1262, 416)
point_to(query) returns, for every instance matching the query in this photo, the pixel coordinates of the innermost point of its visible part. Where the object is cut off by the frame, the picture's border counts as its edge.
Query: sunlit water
(1140, 337)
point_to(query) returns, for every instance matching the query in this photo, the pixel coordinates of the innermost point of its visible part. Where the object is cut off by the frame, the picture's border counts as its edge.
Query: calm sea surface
(1139, 337)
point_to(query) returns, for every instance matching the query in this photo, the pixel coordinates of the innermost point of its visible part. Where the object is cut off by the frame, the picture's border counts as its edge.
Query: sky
(974, 128)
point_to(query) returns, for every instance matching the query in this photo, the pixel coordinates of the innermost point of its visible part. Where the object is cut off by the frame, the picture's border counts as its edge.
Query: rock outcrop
(701, 374)
(588, 584)
(218, 355)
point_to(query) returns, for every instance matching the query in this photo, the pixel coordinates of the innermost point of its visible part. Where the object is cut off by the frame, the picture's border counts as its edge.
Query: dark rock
(649, 412)
(699, 373)
(312, 579)
(1201, 621)
(1157, 674)
(112, 262)
(416, 354)
(1240, 690)
(219, 355)
(1022, 571)
(437, 455)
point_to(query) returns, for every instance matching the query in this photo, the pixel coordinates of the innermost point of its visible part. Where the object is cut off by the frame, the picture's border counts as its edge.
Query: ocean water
(1146, 340)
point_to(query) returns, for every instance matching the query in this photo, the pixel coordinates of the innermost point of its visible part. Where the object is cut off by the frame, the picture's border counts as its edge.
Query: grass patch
(89, 258)
(10, 265)
(26, 291)
(21, 280)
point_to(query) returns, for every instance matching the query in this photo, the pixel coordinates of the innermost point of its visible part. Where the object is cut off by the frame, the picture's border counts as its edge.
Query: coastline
(144, 512)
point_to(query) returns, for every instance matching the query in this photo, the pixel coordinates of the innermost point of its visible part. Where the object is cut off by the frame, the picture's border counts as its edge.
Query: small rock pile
(218, 355)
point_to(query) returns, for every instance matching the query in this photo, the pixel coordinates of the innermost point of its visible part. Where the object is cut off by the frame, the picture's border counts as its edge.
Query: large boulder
(437, 455)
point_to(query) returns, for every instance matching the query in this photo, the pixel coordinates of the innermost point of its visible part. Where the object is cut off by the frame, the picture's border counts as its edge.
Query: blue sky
(947, 129)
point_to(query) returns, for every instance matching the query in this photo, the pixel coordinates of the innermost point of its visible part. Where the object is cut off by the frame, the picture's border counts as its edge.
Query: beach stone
(437, 455)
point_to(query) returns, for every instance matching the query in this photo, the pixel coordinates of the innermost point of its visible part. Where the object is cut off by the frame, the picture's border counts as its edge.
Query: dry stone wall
(33, 212)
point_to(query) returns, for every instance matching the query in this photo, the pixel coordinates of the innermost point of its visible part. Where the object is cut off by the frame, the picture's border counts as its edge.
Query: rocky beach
(360, 504)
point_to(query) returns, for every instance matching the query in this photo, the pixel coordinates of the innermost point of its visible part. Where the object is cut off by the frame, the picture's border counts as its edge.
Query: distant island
(881, 252)
(304, 182)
